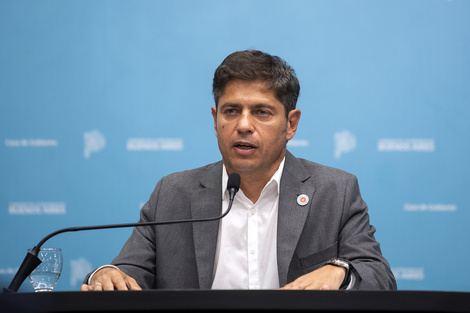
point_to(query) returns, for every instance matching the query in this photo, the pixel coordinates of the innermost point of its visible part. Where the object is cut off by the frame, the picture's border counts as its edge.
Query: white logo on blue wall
(94, 142)
(80, 268)
(406, 145)
(345, 142)
(8, 270)
(37, 208)
(155, 144)
(408, 273)
(297, 143)
(429, 207)
(35, 143)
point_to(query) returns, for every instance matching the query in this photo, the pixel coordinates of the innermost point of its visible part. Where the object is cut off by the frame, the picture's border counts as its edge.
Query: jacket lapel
(291, 215)
(206, 202)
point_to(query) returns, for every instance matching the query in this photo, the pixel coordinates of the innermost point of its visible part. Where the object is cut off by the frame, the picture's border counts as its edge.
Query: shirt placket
(253, 253)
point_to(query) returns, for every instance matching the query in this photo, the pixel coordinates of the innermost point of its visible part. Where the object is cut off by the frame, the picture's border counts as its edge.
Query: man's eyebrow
(229, 104)
(264, 105)
(255, 106)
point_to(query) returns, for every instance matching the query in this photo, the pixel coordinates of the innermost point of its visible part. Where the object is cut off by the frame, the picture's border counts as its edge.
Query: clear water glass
(46, 275)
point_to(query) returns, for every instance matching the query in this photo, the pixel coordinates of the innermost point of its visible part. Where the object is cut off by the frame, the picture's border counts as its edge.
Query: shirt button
(253, 211)
(252, 251)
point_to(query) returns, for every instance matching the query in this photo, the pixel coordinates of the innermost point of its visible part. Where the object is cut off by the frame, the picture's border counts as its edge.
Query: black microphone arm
(32, 261)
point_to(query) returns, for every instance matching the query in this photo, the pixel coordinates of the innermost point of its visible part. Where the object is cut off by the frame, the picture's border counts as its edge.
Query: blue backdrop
(100, 99)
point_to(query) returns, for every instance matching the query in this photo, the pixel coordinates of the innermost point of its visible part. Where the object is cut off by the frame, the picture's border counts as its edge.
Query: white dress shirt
(246, 256)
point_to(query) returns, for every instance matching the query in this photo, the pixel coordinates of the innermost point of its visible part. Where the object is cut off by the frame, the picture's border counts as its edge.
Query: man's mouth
(244, 146)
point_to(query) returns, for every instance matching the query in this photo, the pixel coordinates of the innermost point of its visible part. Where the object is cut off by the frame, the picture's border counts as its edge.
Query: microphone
(233, 184)
(32, 261)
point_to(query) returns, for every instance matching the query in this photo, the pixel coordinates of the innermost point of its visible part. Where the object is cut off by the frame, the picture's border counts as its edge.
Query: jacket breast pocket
(316, 260)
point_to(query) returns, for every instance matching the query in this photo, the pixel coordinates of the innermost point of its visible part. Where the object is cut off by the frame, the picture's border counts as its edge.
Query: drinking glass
(46, 275)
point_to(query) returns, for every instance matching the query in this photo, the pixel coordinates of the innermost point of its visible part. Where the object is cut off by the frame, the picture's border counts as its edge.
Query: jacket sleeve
(137, 257)
(358, 245)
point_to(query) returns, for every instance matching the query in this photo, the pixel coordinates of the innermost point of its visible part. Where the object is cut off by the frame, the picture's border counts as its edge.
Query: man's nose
(245, 123)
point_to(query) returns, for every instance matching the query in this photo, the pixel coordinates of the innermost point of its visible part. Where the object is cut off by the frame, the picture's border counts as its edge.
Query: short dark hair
(254, 65)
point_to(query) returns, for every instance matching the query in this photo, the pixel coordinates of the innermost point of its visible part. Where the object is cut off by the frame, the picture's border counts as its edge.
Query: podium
(236, 300)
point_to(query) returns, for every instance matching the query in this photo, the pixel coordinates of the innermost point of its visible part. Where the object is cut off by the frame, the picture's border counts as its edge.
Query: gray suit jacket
(334, 223)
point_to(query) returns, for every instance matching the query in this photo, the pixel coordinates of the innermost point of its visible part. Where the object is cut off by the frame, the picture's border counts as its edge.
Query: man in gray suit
(294, 224)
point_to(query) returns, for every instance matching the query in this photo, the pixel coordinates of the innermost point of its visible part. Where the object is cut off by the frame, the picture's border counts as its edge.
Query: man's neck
(252, 187)
(253, 184)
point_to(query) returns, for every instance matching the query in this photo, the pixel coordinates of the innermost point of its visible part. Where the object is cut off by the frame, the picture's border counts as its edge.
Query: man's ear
(292, 122)
(214, 115)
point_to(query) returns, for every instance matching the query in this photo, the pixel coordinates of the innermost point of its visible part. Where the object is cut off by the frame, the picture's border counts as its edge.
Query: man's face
(252, 129)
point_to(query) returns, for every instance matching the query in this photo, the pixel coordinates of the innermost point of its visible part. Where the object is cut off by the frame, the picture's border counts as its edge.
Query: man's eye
(263, 112)
(230, 111)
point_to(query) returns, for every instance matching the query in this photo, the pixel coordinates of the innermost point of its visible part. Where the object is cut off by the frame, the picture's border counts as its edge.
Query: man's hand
(328, 277)
(109, 278)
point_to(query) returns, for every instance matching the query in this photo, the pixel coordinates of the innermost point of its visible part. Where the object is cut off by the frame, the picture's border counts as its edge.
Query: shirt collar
(275, 178)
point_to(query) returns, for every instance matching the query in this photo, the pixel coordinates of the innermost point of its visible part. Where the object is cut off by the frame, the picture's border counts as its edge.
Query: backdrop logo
(155, 144)
(345, 142)
(406, 145)
(408, 273)
(431, 207)
(8, 270)
(36, 208)
(36, 143)
(301, 143)
(79, 268)
(94, 142)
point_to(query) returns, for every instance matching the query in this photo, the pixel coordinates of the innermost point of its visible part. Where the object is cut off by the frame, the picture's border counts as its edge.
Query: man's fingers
(328, 277)
(125, 282)
(325, 287)
(86, 287)
(132, 284)
(107, 285)
(294, 285)
(109, 279)
(109, 282)
(119, 283)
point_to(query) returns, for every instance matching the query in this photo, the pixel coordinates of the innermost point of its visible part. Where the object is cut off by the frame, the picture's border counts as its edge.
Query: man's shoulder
(209, 171)
(323, 177)
(325, 169)
(180, 187)
(307, 168)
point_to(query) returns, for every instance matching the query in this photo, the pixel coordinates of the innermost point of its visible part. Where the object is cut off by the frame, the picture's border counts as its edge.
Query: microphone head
(233, 182)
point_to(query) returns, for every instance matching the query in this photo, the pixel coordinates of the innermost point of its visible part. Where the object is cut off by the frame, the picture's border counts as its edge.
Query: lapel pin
(302, 199)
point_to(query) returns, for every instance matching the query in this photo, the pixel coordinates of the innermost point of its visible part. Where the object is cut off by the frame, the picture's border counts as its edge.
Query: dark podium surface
(237, 300)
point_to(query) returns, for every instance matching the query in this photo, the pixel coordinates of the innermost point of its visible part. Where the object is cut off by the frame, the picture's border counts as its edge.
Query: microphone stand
(32, 261)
